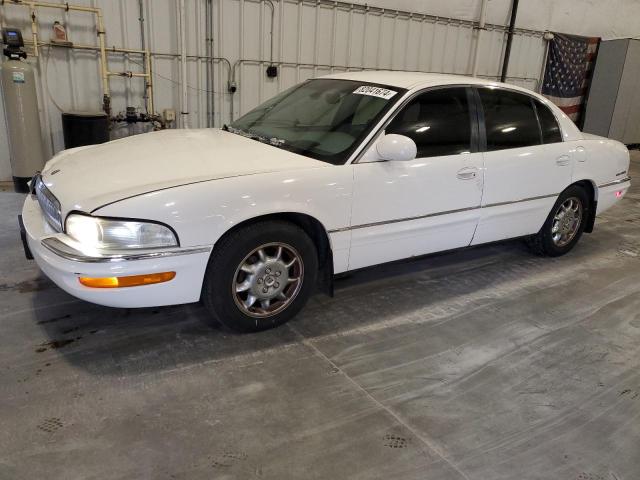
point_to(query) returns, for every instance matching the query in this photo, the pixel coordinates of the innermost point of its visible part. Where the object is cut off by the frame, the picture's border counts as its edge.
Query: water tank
(84, 128)
(23, 121)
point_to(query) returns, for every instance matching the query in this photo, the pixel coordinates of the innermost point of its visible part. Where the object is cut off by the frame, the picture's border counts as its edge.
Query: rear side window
(438, 121)
(548, 124)
(510, 119)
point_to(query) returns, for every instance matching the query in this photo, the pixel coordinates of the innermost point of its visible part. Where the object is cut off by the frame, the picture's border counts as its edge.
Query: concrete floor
(484, 364)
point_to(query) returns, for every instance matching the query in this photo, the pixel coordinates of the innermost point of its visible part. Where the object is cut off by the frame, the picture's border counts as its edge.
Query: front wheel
(564, 225)
(260, 276)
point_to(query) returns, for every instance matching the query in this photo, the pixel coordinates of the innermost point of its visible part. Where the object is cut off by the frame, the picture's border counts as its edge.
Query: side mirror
(398, 148)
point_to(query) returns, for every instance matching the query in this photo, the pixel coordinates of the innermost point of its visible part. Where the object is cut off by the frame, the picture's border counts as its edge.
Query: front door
(408, 208)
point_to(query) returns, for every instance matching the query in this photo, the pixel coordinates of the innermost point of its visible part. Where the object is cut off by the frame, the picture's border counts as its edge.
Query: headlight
(102, 233)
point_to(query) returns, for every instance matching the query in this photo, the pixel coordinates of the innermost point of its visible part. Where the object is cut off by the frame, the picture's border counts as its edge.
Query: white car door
(526, 164)
(408, 208)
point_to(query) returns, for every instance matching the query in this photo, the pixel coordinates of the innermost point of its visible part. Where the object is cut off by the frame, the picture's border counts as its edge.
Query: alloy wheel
(268, 280)
(566, 221)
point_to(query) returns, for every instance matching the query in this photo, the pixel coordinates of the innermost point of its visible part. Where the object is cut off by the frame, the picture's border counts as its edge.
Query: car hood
(87, 178)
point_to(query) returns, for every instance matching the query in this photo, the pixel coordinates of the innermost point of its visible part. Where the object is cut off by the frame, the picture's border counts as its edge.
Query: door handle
(467, 173)
(563, 160)
(580, 150)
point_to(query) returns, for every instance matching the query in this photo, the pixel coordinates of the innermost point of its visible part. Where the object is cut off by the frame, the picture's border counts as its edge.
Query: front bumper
(63, 263)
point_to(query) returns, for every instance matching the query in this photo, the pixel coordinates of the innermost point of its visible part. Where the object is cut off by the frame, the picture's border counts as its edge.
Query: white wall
(307, 34)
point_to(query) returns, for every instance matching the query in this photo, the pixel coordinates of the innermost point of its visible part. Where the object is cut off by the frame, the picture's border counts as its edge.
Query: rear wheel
(564, 225)
(260, 276)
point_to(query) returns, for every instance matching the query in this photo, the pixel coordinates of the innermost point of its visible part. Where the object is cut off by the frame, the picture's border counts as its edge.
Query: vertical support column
(507, 50)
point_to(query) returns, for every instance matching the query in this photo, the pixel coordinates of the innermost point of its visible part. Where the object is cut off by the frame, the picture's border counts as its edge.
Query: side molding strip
(448, 212)
(615, 182)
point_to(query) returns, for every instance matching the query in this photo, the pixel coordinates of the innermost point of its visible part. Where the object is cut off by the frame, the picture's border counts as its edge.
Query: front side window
(324, 119)
(548, 124)
(510, 119)
(438, 121)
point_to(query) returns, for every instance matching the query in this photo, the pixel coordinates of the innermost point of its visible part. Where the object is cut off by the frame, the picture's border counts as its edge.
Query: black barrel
(84, 128)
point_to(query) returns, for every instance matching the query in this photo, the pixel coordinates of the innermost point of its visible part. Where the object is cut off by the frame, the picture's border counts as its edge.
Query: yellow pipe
(34, 29)
(64, 6)
(147, 61)
(102, 46)
(127, 74)
(103, 55)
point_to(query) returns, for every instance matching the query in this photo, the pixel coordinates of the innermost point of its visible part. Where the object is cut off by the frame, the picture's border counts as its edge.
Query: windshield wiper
(276, 142)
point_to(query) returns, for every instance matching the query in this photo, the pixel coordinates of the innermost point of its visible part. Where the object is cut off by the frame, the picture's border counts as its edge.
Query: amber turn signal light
(130, 281)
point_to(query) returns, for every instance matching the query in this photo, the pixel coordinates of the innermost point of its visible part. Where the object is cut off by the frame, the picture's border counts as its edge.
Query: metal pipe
(143, 46)
(184, 107)
(149, 82)
(345, 67)
(209, 52)
(273, 14)
(481, 27)
(128, 74)
(507, 50)
(364, 7)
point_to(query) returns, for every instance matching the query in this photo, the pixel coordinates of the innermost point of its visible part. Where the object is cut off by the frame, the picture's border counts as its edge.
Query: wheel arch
(590, 187)
(312, 227)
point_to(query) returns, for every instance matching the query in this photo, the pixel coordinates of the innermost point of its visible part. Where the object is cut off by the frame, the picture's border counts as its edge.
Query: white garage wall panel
(310, 38)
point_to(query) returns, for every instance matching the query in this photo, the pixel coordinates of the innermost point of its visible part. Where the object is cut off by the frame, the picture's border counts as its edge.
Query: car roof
(410, 80)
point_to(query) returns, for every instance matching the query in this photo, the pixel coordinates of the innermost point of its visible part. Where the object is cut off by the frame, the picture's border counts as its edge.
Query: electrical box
(12, 37)
(169, 115)
(272, 71)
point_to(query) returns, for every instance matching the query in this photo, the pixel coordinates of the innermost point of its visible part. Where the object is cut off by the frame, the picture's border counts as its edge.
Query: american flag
(568, 72)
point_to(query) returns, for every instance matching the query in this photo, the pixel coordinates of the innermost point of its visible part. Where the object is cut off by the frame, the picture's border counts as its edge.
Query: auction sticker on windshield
(374, 92)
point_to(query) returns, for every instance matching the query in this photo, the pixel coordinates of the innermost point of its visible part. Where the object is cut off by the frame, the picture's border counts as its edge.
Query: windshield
(323, 119)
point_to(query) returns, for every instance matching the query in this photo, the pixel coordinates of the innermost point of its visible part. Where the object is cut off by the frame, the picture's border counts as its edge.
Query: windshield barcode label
(375, 92)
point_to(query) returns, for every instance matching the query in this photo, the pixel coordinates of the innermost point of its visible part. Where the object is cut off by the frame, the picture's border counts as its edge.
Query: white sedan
(335, 174)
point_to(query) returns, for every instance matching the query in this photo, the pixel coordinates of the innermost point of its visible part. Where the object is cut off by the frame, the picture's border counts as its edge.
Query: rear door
(526, 162)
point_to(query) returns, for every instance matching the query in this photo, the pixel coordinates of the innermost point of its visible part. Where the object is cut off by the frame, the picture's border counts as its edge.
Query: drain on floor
(589, 476)
(395, 441)
(227, 459)
(50, 425)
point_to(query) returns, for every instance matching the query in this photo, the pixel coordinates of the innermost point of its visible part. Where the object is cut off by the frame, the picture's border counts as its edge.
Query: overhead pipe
(481, 28)
(510, 32)
(184, 106)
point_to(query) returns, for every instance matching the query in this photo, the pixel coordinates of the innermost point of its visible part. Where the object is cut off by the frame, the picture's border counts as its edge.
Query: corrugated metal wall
(310, 38)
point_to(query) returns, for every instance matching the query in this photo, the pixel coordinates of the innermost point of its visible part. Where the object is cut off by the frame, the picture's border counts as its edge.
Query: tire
(561, 232)
(261, 261)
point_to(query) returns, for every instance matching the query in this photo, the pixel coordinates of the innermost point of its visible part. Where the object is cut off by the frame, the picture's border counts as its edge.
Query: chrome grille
(48, 203)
